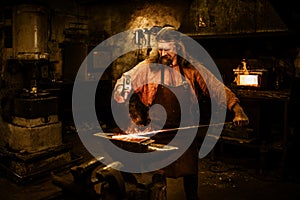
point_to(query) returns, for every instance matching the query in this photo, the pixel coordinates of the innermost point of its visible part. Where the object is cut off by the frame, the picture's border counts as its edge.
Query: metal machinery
(33, 136)
(95, 181)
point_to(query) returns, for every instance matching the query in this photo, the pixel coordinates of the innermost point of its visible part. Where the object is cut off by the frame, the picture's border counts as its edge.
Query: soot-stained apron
(187, 164)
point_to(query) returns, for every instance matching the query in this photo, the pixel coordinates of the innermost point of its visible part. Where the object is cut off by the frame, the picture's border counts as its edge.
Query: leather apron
(186, 164)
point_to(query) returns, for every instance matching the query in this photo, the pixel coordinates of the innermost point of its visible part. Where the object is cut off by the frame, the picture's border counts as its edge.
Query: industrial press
(32, 131)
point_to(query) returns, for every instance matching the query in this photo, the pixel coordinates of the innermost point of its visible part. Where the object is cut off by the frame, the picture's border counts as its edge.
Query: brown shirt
(146, 76)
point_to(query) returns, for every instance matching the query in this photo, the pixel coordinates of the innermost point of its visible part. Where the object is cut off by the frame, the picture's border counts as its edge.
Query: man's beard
(165, 60)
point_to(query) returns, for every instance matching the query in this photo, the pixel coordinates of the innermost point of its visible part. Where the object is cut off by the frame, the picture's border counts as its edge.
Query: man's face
(167, 52)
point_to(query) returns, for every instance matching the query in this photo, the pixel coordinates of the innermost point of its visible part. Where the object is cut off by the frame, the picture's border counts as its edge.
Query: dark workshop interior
(44, 43)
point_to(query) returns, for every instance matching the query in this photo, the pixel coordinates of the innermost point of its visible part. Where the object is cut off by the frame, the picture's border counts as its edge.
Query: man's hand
(118, 94)
(240, 118)
(122, 91)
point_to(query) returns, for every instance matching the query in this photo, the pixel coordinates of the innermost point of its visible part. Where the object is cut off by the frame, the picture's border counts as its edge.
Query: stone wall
(225, 17)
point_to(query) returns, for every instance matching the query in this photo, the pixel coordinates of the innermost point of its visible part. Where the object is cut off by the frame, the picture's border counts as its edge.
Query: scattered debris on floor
(222, 175)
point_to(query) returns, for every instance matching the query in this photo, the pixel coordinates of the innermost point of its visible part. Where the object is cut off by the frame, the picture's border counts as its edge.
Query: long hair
(169, 34)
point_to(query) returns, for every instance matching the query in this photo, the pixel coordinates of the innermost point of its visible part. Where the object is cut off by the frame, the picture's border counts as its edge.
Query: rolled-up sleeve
(211, 86)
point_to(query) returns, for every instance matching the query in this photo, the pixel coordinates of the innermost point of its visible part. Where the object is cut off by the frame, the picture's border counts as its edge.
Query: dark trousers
(190, 184)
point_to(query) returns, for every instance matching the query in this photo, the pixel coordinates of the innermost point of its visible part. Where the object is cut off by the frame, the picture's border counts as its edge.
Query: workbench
(268, 129)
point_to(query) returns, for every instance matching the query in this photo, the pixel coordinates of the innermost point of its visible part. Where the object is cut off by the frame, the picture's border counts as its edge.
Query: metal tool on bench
(94, 181)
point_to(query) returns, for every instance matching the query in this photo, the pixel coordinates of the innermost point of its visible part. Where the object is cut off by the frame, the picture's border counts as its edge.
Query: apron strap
(162, 79)
(184, 82)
